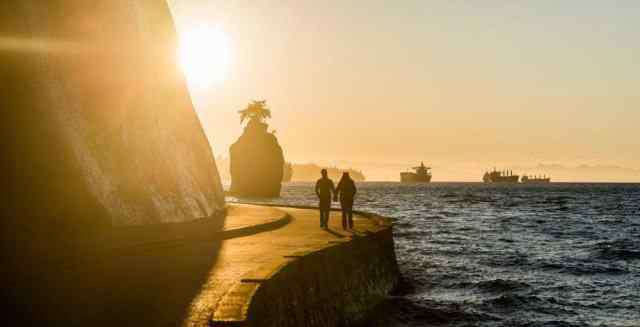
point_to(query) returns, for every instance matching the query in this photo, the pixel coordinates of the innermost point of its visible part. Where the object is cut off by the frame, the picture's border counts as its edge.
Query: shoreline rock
(256, 163)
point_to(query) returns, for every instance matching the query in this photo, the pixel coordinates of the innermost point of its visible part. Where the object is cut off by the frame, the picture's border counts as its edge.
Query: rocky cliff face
(98, 129)
(99, 114)
(256, 163)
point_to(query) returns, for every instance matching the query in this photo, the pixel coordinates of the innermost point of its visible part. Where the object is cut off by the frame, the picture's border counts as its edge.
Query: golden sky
(462, 85)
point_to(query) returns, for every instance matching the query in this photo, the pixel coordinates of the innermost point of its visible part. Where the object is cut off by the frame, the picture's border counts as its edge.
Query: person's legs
(344, 218)
(327, 212)
(349, 212)
(327, 215)
(325, 206)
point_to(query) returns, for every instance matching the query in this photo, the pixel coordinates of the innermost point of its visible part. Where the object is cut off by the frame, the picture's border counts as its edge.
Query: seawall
(334, 284)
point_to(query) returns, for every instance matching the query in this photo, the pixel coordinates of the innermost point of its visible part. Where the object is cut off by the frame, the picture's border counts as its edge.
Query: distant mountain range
(311, 172)
(297, 172)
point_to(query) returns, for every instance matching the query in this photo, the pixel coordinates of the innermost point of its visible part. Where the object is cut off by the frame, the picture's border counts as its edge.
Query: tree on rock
(256, 157)
(255, 111)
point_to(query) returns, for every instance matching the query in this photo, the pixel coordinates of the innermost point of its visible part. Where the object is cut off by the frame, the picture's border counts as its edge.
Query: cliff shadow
(125, 276)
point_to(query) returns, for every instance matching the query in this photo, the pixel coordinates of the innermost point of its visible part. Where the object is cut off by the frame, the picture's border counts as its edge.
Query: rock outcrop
(98, 130)
(256, 163)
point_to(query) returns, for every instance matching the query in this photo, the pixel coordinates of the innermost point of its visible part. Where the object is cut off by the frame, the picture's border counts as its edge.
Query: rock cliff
(98, 129)
(256, 163)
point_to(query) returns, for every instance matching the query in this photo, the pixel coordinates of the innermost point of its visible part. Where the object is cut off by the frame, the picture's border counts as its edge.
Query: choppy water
(508, 255)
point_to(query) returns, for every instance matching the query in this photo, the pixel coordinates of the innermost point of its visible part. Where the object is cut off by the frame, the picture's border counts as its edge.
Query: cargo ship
(495, 176)
(422, 174)
(526, 179)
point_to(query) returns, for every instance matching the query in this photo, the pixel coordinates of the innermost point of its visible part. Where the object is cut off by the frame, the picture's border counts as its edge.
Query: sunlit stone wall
(98, 127)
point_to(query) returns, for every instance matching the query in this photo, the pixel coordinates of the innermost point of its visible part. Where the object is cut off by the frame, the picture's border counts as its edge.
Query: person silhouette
(324, 190)
(347, 191)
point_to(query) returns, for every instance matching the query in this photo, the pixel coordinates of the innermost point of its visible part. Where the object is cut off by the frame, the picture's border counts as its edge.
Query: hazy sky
(462, 85)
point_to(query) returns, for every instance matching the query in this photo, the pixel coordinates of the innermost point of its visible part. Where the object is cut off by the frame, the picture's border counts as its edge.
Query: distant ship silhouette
(495, 176)
(422, 175)
(507, 176)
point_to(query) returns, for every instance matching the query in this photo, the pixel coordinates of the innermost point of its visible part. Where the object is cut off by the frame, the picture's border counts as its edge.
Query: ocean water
(508, 255)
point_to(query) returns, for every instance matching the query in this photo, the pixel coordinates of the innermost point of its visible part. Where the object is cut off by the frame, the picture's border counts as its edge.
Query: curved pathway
(147, 275)
(243, 255)
(175, 274)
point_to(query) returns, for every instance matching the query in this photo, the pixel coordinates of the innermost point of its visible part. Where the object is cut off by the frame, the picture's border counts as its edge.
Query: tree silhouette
(255, 111)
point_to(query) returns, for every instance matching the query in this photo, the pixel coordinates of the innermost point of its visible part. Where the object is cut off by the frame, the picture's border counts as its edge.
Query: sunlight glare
(204, 56)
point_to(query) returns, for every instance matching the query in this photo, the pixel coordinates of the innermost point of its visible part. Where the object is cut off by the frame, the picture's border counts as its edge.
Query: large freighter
(495, 176)
(422, 175)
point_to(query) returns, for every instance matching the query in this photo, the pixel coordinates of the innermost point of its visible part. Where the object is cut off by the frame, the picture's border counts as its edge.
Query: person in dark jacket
(347, 191)
(324, 190)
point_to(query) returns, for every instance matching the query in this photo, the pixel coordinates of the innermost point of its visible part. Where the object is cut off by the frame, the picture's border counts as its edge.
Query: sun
(204, 55)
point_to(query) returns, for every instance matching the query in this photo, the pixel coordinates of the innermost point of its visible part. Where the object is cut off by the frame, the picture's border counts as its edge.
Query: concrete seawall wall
(337, 284)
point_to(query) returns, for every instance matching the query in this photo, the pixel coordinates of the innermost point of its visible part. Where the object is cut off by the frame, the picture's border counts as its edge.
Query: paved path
(242, 255)
(178, 282)
(148, 275)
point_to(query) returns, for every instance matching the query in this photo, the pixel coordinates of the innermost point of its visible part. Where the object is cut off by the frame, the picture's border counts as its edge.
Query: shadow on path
(151, 283)
(334, 233)
(133, 276)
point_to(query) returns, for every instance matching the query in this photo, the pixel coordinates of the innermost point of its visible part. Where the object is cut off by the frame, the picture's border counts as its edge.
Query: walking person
(324, 190)
(347, 191)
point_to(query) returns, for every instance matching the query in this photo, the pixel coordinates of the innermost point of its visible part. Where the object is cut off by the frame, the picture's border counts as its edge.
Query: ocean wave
(500, 285)
(585, 268)
(471, 199)
(545, 323)
(513, 301)
(407, 311)
(517, 302)
(510, 260)
(620, 249)
(560, 199)
(449, 213)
